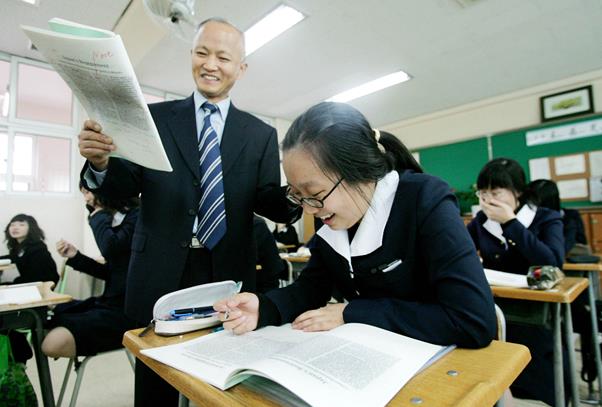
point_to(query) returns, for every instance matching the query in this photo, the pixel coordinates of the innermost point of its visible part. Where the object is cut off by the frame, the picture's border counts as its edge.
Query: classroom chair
(289, 276)
(501, 336)
(79, 366)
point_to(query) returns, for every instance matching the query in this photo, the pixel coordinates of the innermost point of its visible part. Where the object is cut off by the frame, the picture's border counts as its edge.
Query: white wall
(501, 113)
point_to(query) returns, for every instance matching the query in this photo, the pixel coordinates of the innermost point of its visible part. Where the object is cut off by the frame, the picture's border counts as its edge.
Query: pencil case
(199, 296)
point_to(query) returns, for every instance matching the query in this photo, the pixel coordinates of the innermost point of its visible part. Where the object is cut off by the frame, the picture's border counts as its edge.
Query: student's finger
(233, 324)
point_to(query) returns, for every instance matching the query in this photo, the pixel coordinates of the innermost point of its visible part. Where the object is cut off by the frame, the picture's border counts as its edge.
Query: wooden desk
(31, 316)
(6, 267)
(561, 295)
(482, 376)
(296, 259)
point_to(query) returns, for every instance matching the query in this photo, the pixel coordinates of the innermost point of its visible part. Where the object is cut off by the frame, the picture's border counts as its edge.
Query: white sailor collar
(525, 216)
(369, 235)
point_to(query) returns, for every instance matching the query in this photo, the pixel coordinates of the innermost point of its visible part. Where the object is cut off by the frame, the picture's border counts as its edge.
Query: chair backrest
(501, 324)
(60, 286)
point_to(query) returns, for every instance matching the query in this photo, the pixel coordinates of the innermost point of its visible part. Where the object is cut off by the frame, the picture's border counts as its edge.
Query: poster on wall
(570, 164)
(595, 189)
(539, 168)
(573, 189)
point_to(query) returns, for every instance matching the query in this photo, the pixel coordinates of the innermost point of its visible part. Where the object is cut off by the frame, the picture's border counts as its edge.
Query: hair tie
(377, 138)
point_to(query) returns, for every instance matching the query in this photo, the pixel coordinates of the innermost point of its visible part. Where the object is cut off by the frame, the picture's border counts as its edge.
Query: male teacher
(196, 223)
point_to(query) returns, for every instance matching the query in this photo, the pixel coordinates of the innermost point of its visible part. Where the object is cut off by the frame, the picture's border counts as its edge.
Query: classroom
(459, 82)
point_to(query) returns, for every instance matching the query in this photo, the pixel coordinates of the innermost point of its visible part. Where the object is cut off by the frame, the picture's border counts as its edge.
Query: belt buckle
(195, 243)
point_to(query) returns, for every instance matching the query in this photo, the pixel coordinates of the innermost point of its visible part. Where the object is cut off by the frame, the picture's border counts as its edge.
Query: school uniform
(98, 323)
(34, 263)
(410, 268)
(534, 237)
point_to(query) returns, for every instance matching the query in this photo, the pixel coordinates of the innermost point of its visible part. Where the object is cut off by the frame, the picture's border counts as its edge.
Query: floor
(109, 381)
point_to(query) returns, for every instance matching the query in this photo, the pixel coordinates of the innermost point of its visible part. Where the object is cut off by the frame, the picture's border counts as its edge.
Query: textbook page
(503, 279)
(95, 65)
(352, 365)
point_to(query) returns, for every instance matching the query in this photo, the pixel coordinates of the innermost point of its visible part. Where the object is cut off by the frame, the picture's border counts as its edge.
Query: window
(43, 96)
(4, 91)
(40, 163)
(3, 159)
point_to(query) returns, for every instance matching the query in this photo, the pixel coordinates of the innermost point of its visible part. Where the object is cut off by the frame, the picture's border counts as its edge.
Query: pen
(190, 311)
(391, 266)
(195, 316)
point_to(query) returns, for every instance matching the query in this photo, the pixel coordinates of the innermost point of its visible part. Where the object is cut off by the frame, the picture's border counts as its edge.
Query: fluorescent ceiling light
(32, 2)
(371, 87)
(271, 26)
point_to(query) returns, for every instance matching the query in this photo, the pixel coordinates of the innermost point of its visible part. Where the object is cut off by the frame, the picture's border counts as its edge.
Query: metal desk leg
(594, 319)
(37, 333)
(568, 337)
(558, 373)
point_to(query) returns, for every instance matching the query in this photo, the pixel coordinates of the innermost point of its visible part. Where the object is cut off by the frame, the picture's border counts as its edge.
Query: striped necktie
(212, 211)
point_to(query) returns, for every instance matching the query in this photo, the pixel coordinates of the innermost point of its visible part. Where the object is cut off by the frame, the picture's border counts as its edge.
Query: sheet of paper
(595, 189)
(19, 295)
(99, 72)
(570, 164)
(595, 163)
(500, 278)
(539, 168)
(573, 188)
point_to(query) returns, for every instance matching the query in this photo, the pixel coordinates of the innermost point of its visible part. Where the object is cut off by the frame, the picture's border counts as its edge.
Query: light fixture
(371, 87)
(5, 102)
(32, 2)
(275, 23)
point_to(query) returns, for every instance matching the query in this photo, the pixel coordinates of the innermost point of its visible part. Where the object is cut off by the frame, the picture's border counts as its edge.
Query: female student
(392, 241)
(547, 195)
(76, 326)
(27, 250)
(512, 234)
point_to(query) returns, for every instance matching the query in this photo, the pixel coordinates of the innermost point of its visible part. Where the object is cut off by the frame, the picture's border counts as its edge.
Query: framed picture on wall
(569, 103)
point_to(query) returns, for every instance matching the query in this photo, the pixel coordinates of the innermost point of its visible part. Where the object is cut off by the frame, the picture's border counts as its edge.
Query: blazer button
(184, 244)
(497, 256)
(191, 212)
(196, 183)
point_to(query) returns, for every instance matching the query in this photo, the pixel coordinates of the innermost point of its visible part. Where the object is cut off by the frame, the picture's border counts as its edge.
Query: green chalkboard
(457, 163)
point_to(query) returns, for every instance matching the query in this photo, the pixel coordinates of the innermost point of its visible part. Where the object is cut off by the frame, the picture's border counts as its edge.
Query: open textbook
(95, 65)
(351, 365)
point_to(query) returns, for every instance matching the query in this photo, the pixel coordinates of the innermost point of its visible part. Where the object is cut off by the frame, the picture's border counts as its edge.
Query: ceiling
(455, 54)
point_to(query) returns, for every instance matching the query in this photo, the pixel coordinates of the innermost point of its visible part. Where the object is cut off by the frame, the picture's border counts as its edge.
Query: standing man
(196, 223)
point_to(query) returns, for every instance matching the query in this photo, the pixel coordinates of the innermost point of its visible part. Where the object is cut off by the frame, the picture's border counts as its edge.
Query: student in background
(96, 324)
(272, 266)
(546, 195)
(392, 241)
(513, 234)
(286, 234)
(27, 250)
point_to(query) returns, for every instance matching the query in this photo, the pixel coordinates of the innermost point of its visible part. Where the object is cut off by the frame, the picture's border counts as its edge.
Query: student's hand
(66, 249)
(497, 210)
(239, 313)
(321, 319)
(94, 145)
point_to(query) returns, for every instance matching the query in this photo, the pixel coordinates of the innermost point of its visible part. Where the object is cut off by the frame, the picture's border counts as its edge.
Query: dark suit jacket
(438, 294)
(542, 243)
(250, 165)
(272, 266)
(34, 264)
(114, 244)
